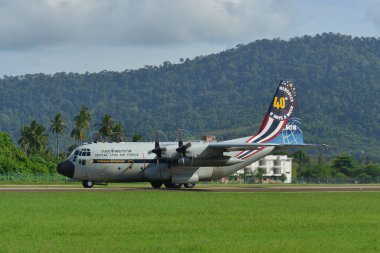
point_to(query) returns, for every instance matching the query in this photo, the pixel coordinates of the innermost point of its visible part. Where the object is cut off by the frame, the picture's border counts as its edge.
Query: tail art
(278, 120)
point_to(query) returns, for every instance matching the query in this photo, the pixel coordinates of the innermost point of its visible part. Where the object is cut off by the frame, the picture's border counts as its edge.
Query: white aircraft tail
(278, 126)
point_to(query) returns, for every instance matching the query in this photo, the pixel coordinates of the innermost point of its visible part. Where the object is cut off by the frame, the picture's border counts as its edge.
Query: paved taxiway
(58, 188)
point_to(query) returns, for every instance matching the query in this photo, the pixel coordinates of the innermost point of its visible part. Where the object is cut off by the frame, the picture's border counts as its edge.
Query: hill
(225, 94)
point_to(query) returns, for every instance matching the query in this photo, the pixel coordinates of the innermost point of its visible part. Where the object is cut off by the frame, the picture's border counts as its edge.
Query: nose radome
(66, 168)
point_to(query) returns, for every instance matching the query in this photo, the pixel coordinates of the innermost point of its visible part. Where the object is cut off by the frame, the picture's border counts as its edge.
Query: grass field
(181, 221)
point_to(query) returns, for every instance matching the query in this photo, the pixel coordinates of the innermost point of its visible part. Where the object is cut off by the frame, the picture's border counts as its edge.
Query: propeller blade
(182, 149)
(157, 149)
(179, 138)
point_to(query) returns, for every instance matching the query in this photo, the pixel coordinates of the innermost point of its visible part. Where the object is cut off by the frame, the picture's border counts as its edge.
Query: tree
(283, 177)
(344, 163)
(137, 138)
(320, 170)
(372, 170)
(118, 132)
(33, 138)
(38, 137)
(24, 140)
(260, 174)
(58, 127)
(82, 124)
(302, 162)
(107, 126)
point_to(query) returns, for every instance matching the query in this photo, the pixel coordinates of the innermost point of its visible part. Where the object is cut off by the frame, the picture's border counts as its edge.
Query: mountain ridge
(337, 79)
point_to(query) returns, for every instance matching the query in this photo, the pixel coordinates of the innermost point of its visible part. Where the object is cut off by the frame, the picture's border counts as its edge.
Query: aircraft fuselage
(133, 162)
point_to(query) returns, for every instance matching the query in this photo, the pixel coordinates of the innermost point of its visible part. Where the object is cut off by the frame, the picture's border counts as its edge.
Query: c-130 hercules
(176, 163)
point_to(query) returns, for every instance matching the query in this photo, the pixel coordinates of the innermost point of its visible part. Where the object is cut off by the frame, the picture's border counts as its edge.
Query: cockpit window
(85, 152)
(76, 152)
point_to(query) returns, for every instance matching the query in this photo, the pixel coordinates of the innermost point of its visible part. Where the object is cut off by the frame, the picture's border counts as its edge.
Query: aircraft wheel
(87, 184)
(189, 185)
(172, 185)
(156, 185)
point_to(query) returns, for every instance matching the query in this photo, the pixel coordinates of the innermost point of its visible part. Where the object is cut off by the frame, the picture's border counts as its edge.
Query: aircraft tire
(189, 185)
(156, 185)
(87, 184)
(172, 185)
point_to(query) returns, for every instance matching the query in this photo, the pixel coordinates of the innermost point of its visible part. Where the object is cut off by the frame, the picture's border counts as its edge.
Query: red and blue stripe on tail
(278, 125)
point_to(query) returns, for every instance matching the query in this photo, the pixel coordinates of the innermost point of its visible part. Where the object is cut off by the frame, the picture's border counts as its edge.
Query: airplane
(174, 164)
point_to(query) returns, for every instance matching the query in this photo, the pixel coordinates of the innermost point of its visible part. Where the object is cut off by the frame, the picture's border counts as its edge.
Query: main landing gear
(158, 185)
(189, 185)
(87, 184)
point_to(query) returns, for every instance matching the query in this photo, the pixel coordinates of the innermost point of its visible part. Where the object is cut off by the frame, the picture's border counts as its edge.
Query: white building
(273, 165)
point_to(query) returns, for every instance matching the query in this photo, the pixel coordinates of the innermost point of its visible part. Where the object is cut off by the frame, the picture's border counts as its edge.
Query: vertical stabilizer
(280, 111)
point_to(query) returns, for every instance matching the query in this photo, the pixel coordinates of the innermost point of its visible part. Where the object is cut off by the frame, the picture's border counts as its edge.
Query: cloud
(55, 23)
(374, 15)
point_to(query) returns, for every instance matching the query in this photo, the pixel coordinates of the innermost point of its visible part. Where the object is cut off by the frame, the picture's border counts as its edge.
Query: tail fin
(280, 111)
(279, 128)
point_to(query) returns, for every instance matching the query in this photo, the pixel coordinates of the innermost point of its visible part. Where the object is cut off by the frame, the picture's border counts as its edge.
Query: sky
(49, 36)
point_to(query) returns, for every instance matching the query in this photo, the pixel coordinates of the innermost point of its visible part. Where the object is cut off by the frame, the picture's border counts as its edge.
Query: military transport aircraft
(177, 163)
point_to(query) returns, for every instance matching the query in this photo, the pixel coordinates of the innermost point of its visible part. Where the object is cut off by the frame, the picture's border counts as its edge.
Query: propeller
(182, 147)
(157, 149)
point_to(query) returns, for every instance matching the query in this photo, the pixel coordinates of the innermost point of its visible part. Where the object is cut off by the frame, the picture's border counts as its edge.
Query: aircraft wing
(255, 146)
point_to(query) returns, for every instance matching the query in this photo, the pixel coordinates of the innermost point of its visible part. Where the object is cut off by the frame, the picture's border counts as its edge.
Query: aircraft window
(86, 152)
(76, 152)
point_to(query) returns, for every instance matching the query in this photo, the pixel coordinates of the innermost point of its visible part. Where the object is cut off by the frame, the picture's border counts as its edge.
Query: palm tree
(84, 118)
(38, 137)
(137, 138)
(24, 140)
(82, 123)
(107, 126)
(33, 138)
(78, 134)
(58, 127)
(118, 132)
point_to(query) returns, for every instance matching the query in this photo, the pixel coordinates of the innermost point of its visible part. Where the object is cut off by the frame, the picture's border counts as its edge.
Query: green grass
(178, 221)
(198, 185)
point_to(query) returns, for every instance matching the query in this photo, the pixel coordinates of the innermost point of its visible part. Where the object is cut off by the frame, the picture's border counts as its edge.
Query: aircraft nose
(66, 168)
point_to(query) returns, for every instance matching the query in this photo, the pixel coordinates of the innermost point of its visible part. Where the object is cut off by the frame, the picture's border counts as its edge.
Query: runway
(202, 188)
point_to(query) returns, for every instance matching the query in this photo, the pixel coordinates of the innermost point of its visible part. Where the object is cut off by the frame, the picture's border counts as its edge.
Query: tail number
(279, 103)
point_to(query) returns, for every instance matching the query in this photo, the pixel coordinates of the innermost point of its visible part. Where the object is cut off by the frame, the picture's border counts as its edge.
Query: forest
(225, 94)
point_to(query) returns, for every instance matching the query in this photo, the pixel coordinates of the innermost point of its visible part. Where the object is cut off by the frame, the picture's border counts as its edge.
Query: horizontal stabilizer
(255, 146)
